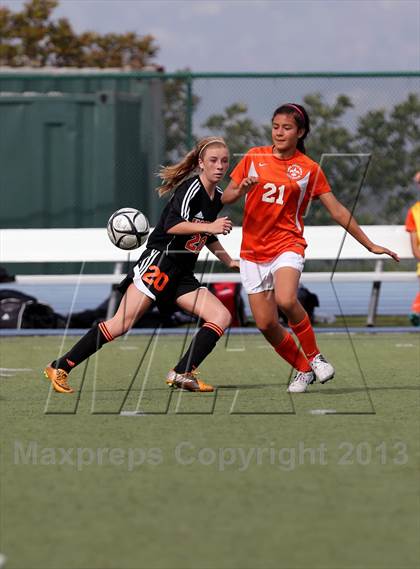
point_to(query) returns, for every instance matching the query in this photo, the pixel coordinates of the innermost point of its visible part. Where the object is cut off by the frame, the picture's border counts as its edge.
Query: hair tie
(296, 109)
(219, 140)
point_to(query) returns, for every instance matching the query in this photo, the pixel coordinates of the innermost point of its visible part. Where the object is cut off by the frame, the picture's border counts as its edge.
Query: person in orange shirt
(412, 225)
(278, 182)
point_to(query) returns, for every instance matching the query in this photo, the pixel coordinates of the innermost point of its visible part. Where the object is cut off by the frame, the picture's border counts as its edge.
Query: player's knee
(118, 327)
(265, 325)
(286, 303)
(222, 317)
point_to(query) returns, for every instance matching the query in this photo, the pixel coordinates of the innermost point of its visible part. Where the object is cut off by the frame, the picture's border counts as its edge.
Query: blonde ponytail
(173, 175)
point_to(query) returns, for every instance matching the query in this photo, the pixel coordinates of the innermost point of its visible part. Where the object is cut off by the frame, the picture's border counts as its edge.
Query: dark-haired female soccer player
(164, 272)
(279, 180)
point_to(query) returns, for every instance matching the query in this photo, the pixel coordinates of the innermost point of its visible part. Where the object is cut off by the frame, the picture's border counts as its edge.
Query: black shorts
(157, 276)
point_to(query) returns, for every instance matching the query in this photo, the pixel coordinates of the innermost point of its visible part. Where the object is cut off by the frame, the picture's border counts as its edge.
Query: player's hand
(234, 265)
(378, 250)
(222, 225)
(247, 184)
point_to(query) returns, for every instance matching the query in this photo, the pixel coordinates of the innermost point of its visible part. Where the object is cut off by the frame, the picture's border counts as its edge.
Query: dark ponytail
(301, 118)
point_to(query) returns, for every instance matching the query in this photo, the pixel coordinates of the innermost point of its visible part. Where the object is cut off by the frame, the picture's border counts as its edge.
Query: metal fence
(352, 113)
(207, 94)
(365, 129)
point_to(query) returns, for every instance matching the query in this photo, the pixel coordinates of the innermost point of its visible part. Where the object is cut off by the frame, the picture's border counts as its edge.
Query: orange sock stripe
(109, 335)
(219, 328)
(105, 332)
(214, 327)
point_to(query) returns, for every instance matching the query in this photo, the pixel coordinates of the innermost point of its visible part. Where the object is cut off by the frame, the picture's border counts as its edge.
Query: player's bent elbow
(341, 215)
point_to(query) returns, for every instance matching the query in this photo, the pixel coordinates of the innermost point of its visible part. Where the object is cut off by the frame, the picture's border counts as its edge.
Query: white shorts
(258, 277)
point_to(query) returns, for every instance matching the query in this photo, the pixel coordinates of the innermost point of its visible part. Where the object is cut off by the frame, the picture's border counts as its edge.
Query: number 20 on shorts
(154, 276)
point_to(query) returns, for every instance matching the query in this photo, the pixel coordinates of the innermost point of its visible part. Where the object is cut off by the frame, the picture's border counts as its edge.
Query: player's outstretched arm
(233, 192)
(342, 216)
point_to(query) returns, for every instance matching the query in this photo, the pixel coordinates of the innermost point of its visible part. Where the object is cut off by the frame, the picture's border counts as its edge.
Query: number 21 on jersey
(270, 196)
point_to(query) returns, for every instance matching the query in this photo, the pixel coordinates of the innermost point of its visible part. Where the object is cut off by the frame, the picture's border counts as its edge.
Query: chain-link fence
(365, 127)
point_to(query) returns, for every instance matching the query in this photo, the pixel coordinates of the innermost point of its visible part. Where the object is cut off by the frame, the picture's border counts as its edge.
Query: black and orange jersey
(189, 202)
(274, 208)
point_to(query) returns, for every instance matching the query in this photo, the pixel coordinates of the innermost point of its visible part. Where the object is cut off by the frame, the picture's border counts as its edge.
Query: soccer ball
(128, 228)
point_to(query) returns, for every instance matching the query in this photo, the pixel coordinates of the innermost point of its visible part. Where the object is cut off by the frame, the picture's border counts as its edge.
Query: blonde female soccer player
(278, 181)
(164, 272)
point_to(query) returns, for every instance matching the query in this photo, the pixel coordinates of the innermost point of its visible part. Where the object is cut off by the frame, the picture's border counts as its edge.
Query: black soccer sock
(91, 342)
(200, 347)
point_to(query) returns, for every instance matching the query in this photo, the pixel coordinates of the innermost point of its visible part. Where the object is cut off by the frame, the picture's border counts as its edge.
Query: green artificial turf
(246, 477)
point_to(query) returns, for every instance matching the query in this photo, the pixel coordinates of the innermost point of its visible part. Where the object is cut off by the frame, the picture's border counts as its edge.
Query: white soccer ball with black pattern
(128, 228)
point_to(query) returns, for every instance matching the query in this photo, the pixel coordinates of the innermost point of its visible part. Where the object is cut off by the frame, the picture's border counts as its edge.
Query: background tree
(333, 146)
(393, 138)
(240, 133)
(239, 130)
(328, 135)
(32, 38)
(176, 117)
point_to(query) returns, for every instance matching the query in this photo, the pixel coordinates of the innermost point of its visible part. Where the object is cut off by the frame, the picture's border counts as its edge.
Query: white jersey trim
(252, 170)
(185, 207)
(303, 184)
(140, 269)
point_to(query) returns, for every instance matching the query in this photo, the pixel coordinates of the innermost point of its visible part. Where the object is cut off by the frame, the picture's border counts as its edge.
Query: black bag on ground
(5, 277)
(20, 310)
(87, 318)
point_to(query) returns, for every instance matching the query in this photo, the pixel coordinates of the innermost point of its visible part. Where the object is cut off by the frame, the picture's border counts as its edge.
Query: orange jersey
(274, 208)
(412, 221)
(412, 224)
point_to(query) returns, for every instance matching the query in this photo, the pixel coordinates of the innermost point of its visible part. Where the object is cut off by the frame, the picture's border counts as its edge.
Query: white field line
(15, 369)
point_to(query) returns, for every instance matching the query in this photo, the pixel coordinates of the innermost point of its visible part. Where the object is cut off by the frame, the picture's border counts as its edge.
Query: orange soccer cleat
(187, 381)
(58, 378)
